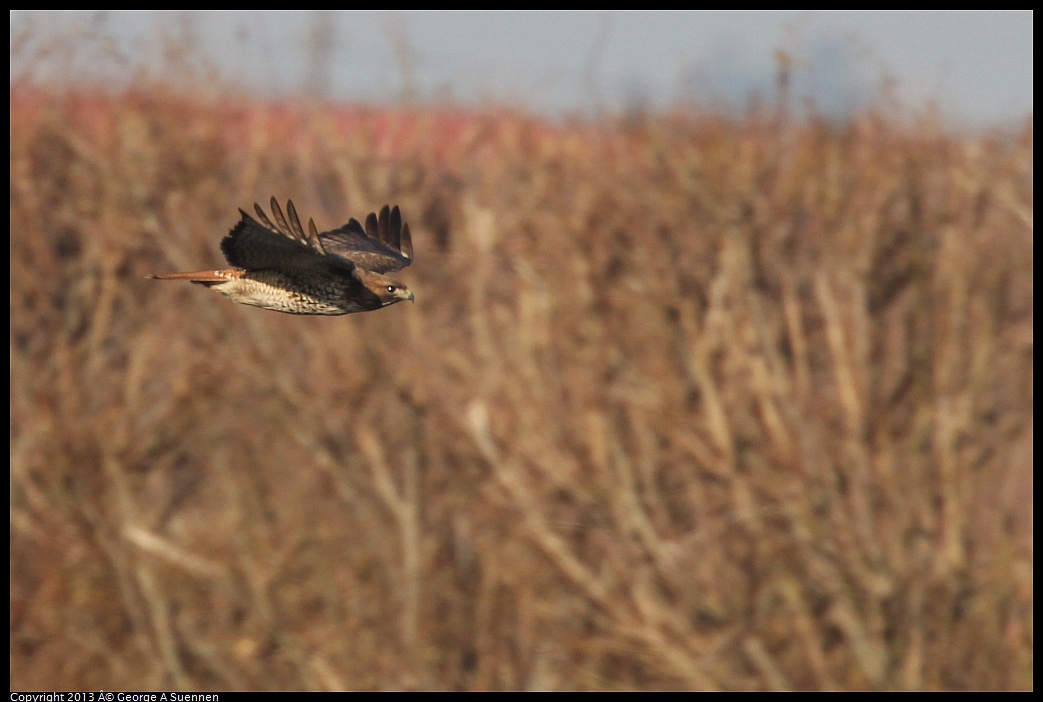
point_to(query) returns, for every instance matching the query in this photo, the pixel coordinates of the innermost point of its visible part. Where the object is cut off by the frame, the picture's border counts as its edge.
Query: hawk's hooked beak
(409, 296)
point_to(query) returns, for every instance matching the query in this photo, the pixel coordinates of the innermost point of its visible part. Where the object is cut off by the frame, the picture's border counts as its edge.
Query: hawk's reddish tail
(201, 276)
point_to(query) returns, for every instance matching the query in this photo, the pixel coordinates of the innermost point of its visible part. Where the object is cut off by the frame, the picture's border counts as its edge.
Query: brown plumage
(278, 266)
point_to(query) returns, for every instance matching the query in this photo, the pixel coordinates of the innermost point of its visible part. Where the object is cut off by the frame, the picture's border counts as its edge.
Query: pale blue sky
(975, 66)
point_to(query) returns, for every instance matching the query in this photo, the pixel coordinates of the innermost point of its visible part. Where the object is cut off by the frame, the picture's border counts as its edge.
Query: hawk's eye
(391, 288)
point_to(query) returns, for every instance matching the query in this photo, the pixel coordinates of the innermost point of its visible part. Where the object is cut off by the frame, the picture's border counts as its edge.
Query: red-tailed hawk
(279, 267)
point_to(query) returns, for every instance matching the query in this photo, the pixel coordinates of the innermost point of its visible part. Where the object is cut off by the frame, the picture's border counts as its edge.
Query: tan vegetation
(683, 403)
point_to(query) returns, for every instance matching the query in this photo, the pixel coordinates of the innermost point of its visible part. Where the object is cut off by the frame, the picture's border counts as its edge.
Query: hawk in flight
(277, 266)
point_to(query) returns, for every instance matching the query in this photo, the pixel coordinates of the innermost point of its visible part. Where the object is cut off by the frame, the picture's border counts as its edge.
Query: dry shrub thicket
(684, 403)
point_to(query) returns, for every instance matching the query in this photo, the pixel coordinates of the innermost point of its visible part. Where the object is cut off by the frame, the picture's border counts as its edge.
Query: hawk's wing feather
(293, 228)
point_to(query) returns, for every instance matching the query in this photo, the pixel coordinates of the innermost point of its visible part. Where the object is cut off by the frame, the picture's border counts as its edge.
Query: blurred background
(719, 375)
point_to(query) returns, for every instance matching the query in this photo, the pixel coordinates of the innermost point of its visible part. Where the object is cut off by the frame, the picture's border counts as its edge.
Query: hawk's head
(387, 290)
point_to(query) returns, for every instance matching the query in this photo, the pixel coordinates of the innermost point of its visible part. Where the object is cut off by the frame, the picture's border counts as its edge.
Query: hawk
(277, 266)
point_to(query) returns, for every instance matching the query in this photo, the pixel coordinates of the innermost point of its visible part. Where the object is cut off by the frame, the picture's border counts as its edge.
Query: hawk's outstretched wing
(383, 245)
